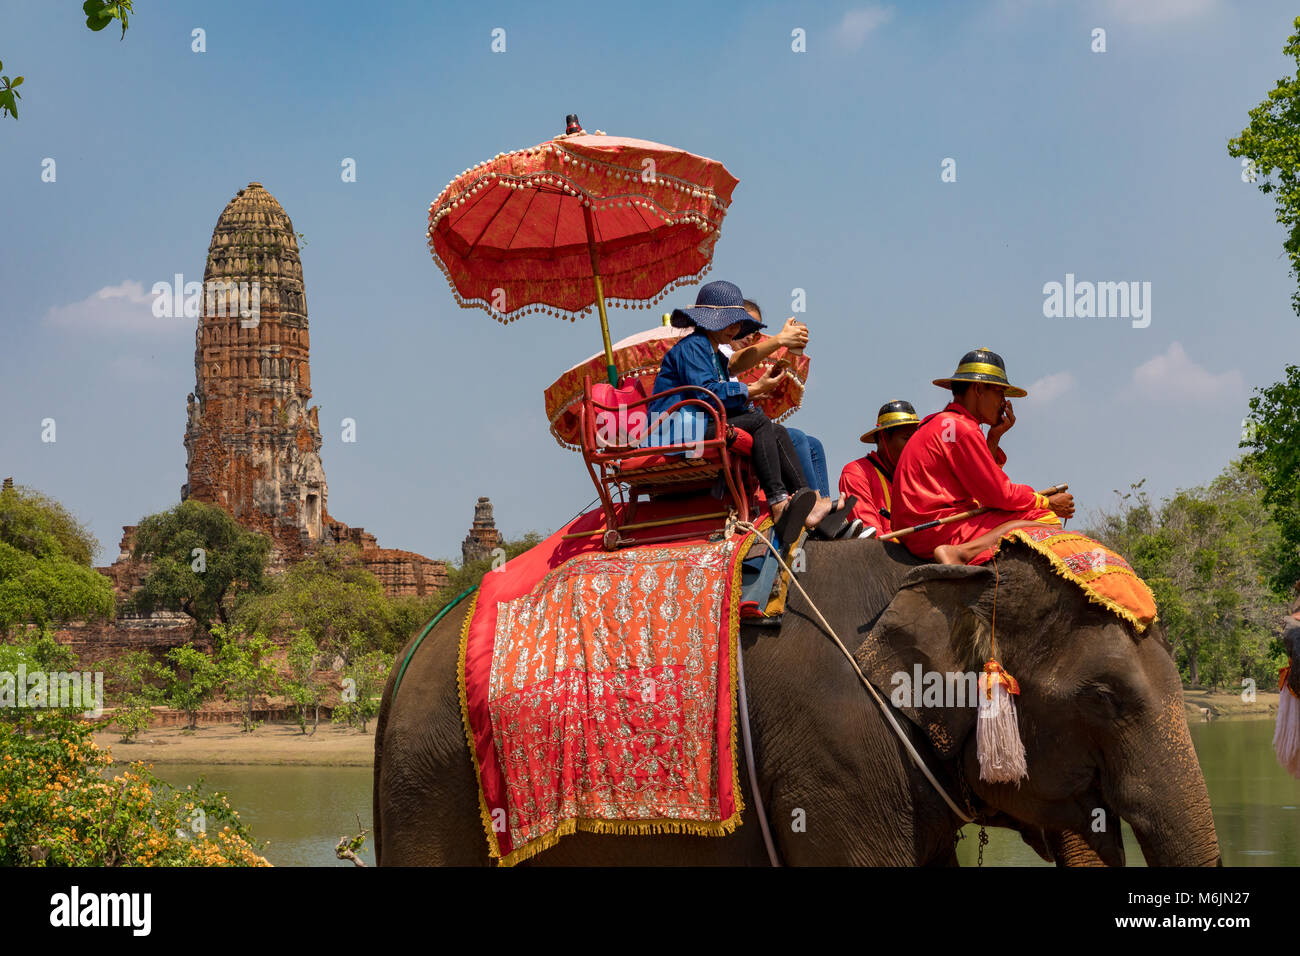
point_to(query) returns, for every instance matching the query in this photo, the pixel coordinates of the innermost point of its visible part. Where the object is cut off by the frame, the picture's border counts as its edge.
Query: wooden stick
(1046, 493)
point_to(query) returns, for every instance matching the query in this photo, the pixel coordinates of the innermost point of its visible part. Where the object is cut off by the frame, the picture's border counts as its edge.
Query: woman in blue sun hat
(718, 318)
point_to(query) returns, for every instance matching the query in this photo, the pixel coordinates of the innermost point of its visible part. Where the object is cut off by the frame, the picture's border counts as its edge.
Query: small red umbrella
(577, 221)
(639, 356)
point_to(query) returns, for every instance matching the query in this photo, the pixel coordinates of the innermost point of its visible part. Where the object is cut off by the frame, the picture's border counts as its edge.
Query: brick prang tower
(252, 441)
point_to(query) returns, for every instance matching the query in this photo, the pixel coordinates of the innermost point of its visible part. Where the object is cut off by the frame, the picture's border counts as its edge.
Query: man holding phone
(950, 466)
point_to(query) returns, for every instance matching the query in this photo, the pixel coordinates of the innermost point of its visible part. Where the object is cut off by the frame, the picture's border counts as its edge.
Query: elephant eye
(1107, 701)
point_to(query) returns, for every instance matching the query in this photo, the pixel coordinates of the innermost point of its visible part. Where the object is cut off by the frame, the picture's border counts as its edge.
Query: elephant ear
(931, 627)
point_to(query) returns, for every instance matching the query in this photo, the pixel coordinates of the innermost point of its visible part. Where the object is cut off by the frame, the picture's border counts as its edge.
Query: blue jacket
(694, 361)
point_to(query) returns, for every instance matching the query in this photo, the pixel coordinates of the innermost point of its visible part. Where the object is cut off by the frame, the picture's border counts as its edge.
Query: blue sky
(1109, 166)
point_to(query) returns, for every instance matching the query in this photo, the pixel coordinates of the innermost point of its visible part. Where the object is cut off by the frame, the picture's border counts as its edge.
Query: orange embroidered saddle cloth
(598, 691)
(1105, 577)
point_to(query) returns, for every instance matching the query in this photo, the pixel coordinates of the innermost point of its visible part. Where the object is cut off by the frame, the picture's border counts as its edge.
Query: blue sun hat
(717, 306)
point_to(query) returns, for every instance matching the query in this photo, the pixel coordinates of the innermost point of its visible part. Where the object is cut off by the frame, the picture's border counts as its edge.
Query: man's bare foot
(947, 554)
(819, 511)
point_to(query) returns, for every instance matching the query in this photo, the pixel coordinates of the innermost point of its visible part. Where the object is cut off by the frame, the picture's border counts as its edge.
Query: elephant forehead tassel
(1286, 738)
(997, 732)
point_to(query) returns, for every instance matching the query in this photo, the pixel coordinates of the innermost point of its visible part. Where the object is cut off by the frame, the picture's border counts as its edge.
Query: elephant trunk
(1070, 849)
(1158, 788)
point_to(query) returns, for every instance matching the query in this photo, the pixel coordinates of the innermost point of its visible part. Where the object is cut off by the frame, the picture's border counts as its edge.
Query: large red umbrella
(577, 221)
(639, 356)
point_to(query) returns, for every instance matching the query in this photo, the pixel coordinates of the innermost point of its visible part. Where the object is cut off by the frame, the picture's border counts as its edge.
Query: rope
(884, 708)
(749, 759)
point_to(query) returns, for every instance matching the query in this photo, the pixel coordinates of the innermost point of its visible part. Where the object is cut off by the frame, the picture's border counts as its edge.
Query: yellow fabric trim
(621, 828)
(981, 368)
(733, 649)
(1063, 570)
(494, 848)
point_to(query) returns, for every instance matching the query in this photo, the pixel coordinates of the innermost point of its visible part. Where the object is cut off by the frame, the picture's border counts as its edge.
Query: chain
(984, 841)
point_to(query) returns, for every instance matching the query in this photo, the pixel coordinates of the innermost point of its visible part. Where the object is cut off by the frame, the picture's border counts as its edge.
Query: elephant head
(1100, 707)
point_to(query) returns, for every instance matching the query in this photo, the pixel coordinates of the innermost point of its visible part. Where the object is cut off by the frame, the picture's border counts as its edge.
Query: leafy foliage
(193, 681)
(59, 808)
(245, 670)
(99, 14)
(200, 557)
(45, 573)
(1273, 435)
(363, 686)
(40, 526)
(1207, 554)
(136, 678)
(1272, 142)
(302, 687)
(9, 95)
(332, 597)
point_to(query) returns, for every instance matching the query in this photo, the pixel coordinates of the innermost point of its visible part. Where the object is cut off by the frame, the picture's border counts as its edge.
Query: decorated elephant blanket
(1105, 577)
(598, 690)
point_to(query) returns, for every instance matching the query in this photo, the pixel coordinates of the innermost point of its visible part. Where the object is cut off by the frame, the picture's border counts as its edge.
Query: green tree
(200, 558)
(245, 670)
(1271, 142)
(45, 573)
(1273, 437)
(302, 687)
(193, 682)
(1207, 554)
(136, 679)
(330, 596)
(363, 687)
(40, 526)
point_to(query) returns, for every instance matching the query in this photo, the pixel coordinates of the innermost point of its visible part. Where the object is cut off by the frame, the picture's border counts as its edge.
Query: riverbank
(1228, 705)
(272, 744)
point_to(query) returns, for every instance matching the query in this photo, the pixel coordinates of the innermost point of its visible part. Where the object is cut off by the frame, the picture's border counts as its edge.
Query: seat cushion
(627, 426)
(711, 457)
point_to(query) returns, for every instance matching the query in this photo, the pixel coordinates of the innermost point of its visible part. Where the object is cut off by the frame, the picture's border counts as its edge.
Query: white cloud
(1172, 376)
(1157, 11)
(116, 308)
(1051, 387)
(858, 24)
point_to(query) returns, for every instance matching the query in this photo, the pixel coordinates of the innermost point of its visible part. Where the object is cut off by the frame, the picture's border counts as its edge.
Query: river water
(302, 812)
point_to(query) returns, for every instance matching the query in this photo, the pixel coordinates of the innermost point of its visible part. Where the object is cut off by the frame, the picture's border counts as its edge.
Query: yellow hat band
(981, 368)
(896, 418)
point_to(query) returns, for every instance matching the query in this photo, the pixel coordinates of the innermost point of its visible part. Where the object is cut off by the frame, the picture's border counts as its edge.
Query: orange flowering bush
(60, 806)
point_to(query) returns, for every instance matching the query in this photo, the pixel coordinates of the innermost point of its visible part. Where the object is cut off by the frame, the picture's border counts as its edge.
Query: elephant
(1100, 713)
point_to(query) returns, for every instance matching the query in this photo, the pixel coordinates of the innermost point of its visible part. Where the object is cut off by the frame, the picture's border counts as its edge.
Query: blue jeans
(812, 458)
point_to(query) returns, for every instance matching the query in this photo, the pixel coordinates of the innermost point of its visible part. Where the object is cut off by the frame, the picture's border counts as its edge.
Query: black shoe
(801, 504)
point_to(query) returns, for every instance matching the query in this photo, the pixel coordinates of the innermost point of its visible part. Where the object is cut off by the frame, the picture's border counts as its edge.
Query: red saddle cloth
(598, 689)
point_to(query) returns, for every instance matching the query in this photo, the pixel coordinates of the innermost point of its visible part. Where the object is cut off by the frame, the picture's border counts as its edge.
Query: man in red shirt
(949, 466)
(869, 478)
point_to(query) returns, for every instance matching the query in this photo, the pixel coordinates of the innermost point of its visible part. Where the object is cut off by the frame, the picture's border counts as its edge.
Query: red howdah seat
(628, 454)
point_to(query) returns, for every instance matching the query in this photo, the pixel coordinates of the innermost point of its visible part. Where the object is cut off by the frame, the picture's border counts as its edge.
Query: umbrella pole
(600, 298)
